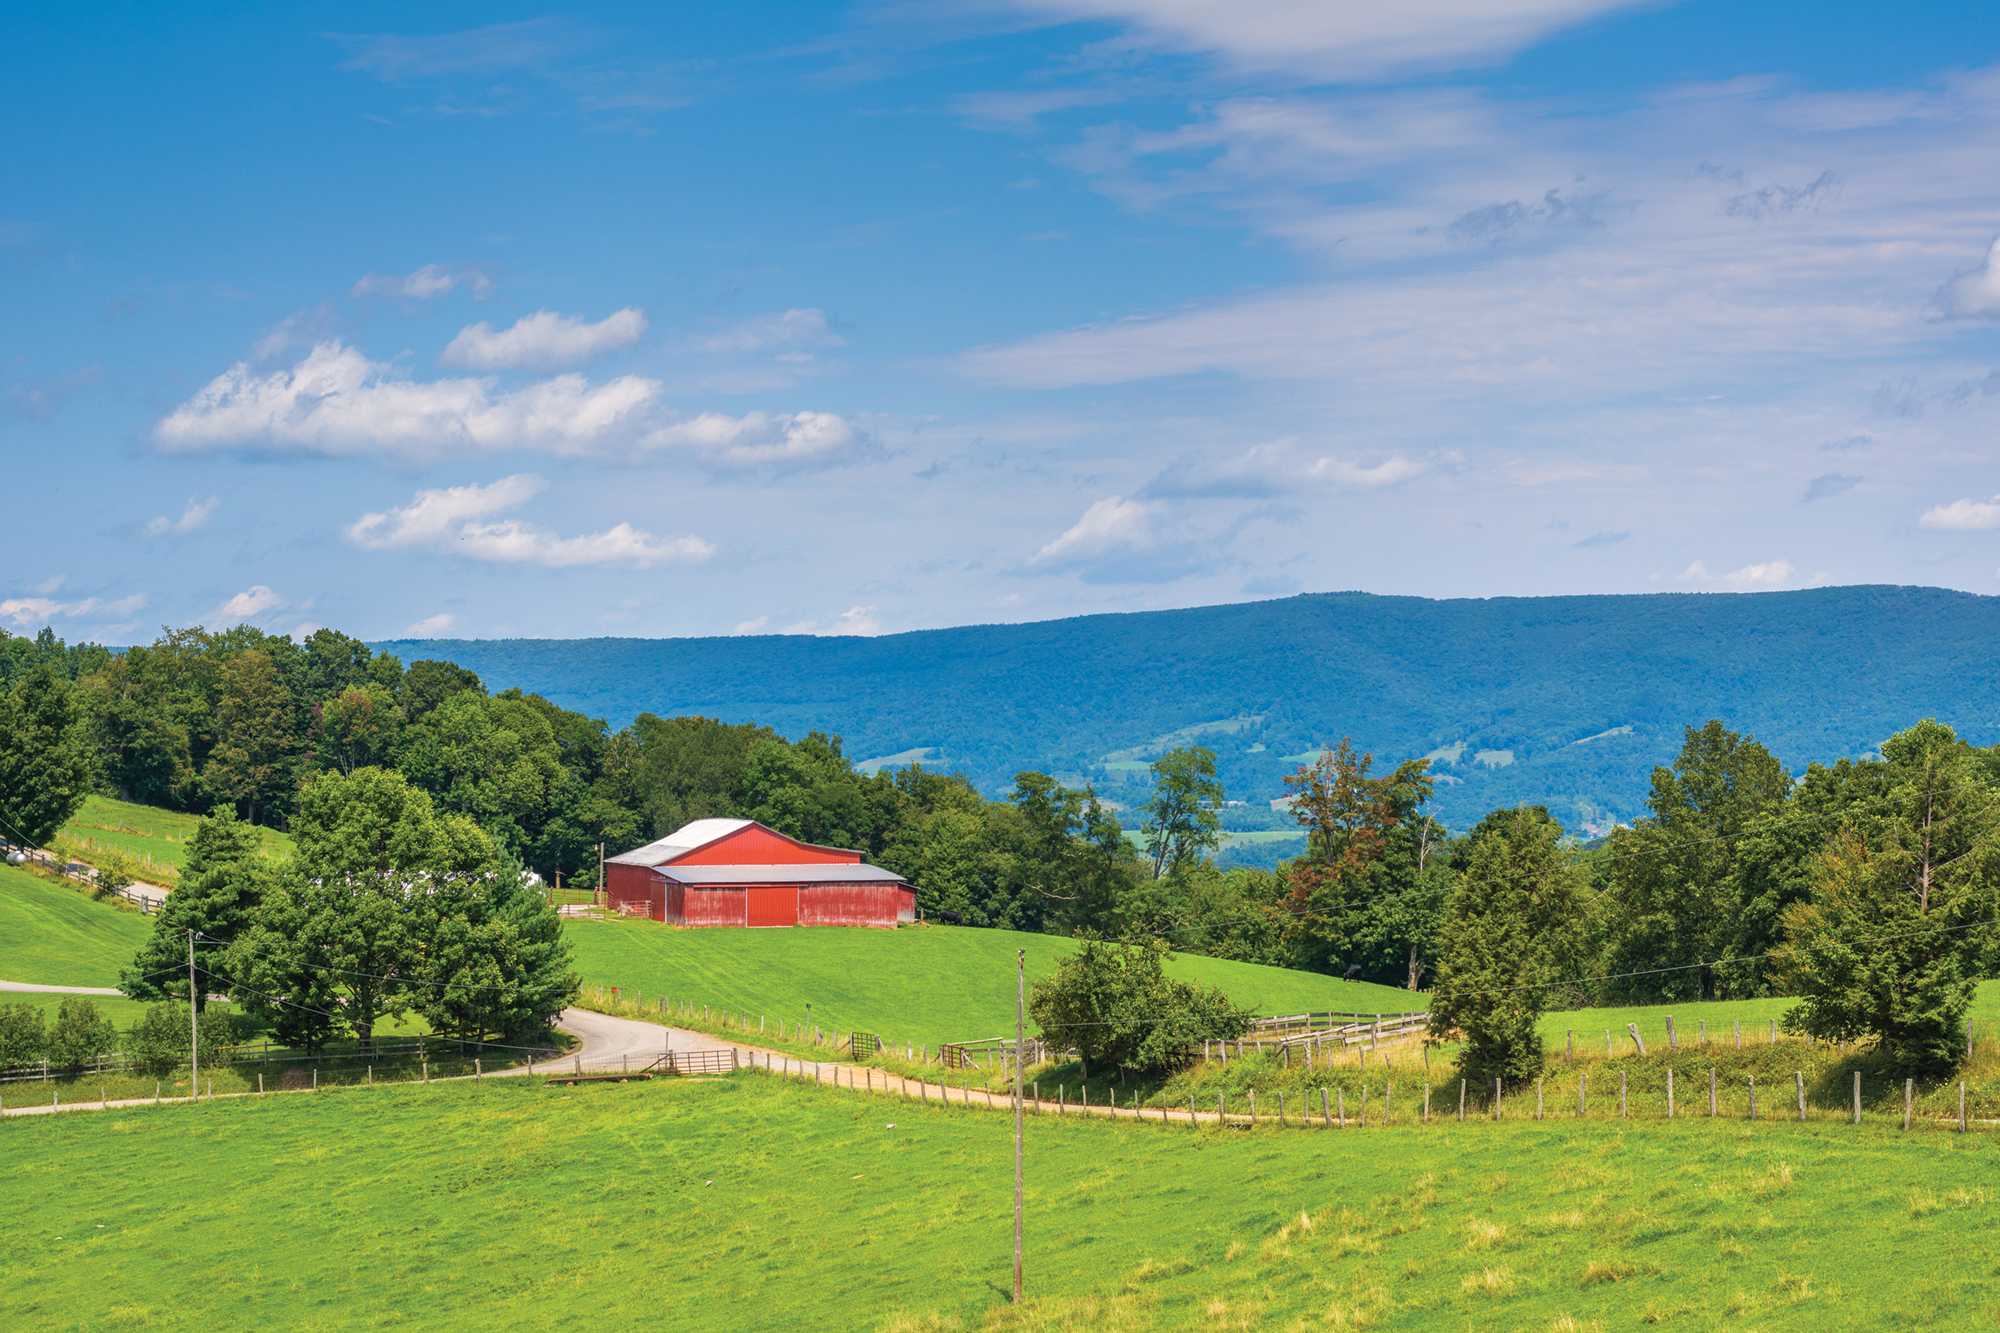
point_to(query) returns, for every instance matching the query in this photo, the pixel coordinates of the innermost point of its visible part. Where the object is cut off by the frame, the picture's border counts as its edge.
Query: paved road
(154, 894)
(31, 988)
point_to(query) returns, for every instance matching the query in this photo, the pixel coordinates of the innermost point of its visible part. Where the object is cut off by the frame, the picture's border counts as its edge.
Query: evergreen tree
(1889, 942)
(218, 891)
(1508, 931)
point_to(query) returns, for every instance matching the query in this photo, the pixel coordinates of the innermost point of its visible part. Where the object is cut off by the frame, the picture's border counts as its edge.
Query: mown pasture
(927, 984)
(753, 1201)
(144, 841)
(54, 934)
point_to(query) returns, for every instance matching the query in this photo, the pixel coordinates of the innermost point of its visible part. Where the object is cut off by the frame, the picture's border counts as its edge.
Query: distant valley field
(1565, 701)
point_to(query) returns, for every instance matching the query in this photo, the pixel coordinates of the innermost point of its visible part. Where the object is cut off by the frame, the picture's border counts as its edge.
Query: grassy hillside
(1567, 701)
(57, 936)
(930, 985)
(750, 1201)
(151, 841)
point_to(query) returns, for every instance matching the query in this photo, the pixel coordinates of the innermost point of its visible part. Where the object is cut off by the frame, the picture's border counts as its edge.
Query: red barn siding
(715, 907)
(756, 845)
(776, 905)
(856, 905)
(635, 890)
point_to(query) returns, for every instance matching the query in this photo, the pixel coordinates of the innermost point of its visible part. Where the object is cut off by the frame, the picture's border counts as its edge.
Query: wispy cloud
(40, 610)
(759, 438)
(455, 519)
(1963, 516)
(431, 627)
(804, 327)
(256, 602)
(194, 515)
(424, 283)
(1597, 540)
(494, 49)
(1975, 294)
(1321, 40)
(543, 340)
(1762, 576)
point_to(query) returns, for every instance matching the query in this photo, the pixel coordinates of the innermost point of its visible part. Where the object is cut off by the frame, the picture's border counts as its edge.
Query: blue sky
(493, 321)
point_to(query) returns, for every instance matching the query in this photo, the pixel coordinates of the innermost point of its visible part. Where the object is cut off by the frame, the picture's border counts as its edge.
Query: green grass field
(925, 984)
(151, 842)
(56, 935)
(755, 1202)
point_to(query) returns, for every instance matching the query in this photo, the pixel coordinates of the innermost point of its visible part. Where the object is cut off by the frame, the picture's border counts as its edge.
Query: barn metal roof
(834, 873)
(696, 833)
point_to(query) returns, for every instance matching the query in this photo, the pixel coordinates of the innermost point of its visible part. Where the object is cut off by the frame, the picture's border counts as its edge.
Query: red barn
(737, 872)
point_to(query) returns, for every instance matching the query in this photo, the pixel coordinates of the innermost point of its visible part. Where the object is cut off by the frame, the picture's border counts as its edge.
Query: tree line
(1742, 880)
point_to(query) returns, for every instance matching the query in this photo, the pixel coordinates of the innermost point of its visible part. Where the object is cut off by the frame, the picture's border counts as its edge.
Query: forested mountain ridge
(1568, 701)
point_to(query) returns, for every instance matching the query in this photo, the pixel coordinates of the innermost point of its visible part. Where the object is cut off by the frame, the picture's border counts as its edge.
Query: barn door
(773, 907)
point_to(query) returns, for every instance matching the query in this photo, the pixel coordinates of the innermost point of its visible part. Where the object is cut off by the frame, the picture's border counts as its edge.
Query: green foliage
(1182, 825)
(80, 1035)
(1901, 907)
(1116, 1005)
(1673, 878)
(254, 763)
(390, 907)
(220, 887)
(158, 1042)
(1509, 929)
(46, 765)
(22, 1040)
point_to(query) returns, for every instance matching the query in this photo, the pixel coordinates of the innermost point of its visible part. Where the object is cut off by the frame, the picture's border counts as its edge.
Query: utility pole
(194, 1028)
(1020, 1035)
(602, 897)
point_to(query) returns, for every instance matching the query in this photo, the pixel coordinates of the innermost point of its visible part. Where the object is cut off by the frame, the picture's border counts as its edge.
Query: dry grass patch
(1923, 1204)
(1615, 1269)
(1483, 1235)
(1774, 1181)
(1488, 1282)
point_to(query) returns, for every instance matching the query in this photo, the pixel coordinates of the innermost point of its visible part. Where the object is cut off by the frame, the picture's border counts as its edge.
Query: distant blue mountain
(1566, 701)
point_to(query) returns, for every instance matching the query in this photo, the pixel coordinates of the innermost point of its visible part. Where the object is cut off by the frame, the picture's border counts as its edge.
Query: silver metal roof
(724, 876)
(696, 833)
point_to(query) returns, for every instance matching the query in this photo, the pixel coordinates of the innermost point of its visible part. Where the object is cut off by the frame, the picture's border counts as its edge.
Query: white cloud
(1018, 110)
(431, 516)
(40, 610)
(252, 603)
(513, 542)
(1962, 516)
(1763, 576)
(857, 621)
(1326, 39)
(544, 340)
(194, 515)
(1345, 472)
(1976, 294)
(430, 627)
(805, 327)
(754, 625)
(452, 519)
(428, 281)
(336, 401)
(758, 437)
(1110, 525)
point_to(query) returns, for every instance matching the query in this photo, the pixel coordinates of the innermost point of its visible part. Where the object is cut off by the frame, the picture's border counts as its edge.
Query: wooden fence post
(1632, 1031)
(1569, 1045)
(1281, 1107)
(1340, 1100)
(1799, 1078)
(1739, 1034)
(1538, 1099)
(1753, 1096)
(1496, 1099)
(1427, 1101)
(1701, 1032)
(1607, 1043)
(1621, 1094)
(1961, 1108)
(1711, 1092)
(1222, 1108)
(1670, 1091)
(1388, 1091)
(1909, 1099)
(1771, 1036)
(1253, 1107)
(1673, 1041)
(1857, 1096)
(1461, 1099)
(1582, 1084)
(260, 1086)
(1362, 1118)
(1325, 1112)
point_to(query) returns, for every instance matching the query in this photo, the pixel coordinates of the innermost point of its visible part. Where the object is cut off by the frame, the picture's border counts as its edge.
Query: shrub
(80, 1035)
(158, 1042)
(21, 1036)
(1116, 1005)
